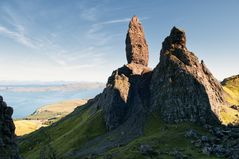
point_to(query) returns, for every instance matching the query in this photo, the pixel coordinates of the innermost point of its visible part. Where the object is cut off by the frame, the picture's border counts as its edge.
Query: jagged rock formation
(124, 86)
(136, 45)
(182, 88)
(8, 146)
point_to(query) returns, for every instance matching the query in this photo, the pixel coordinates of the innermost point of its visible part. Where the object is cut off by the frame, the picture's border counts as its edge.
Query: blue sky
(84, 40)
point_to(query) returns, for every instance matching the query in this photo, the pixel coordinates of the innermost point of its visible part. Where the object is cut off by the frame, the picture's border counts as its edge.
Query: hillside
(64, 136)
(172, 111)
(231, 87)
(46, 115)
(230, 114)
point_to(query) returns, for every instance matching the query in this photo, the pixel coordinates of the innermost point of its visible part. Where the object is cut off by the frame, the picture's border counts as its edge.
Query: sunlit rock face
(136, 45)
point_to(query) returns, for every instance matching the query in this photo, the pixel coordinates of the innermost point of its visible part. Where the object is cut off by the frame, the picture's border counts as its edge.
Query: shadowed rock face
(125, 87)
(136, 46)
(8, 146)
(182, 88)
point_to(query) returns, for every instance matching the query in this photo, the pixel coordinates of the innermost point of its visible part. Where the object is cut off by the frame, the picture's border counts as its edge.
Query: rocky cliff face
(125, 88)
(8, 146)
(182, 88)
(136, 45)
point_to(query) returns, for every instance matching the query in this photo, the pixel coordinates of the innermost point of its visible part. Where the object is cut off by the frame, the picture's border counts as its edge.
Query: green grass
(231, 87)
(164, 138)
(64, 136)
(229, 115)
(70, 133)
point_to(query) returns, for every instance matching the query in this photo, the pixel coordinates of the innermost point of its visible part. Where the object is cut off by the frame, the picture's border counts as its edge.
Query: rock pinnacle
(136, 45)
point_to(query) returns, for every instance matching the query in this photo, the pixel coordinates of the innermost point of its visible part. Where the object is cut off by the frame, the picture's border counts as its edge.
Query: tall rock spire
(136, 45)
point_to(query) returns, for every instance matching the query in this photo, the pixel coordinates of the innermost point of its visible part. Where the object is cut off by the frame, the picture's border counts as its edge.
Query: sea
(26, 102)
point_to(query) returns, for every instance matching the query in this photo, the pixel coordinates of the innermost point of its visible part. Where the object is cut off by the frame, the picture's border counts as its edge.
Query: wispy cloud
(101, 37)
(18, 36)
(124, 20)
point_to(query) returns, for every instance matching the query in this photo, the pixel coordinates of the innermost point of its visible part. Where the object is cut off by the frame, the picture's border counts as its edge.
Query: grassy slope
(231, 87)
(72, 132)
(63, 136)
(164, 138)
(26, 126)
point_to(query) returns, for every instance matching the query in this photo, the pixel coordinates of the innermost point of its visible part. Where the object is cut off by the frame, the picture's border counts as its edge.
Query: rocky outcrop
(136, 45)
(125, 88)
(8, 146)
(182, 88)
(126, 84)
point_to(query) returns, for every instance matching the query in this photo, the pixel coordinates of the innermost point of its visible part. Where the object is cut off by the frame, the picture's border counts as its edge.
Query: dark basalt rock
(182, 88)
(125, 87)
(8, 146)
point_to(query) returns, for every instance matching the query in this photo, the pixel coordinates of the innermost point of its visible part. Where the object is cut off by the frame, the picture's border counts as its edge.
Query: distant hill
(46, 115)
